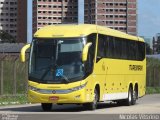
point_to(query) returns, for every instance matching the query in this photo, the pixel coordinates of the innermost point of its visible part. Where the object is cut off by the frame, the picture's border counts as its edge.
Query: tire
(46, 106)
(135, 94)
(92, 105)
(129, 100)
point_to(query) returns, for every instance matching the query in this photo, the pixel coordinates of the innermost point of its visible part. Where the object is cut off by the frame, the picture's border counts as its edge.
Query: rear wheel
(135, 96)
(92, 105)
(132, 97)
(129, 100)
(46, 106)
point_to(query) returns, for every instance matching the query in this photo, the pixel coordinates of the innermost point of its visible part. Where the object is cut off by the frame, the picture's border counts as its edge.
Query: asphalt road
(149, 104)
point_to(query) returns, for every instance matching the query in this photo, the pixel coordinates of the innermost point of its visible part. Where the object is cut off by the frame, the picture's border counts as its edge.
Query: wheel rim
(95, 99)
(130, 96)
(134, 95)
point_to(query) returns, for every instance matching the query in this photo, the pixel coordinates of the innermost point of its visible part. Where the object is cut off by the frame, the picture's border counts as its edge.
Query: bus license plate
(54, 98)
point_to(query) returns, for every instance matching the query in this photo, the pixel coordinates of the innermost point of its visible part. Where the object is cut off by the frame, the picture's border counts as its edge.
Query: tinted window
(91, 53)
(141, 51)
(101, 46)
(119, 48)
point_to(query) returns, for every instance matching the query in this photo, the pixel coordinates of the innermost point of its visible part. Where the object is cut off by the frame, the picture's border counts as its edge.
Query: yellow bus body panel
(112, 75)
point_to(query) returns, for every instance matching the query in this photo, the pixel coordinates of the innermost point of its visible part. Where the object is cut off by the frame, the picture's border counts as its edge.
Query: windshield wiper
(46, 72)
(65, 78)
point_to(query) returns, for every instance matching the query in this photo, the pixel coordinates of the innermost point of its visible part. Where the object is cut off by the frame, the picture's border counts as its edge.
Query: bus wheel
(46, 106)
(129, 100)
(134, 97)
(92, 105)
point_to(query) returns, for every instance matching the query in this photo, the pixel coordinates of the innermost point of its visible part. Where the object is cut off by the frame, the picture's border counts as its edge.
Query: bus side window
(141, 50)
(91, 53)
(101, 47)
(118, 48)
(124, 49)
(92, 38)
(111, 47)
(107, 52)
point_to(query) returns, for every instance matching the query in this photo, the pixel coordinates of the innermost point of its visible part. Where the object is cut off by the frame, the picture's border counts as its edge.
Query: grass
(153, 90)
(10, 68)
(13, 100)
(14, 70)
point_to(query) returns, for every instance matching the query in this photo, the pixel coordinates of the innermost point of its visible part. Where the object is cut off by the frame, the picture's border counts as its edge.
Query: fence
(153, 77)
(13, 76)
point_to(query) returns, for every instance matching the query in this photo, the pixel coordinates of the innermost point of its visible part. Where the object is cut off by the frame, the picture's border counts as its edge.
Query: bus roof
(79, 30)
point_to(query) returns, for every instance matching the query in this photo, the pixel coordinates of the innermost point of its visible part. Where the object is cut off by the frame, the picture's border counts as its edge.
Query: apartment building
(117, 14)
(22, 21)
(13, 18)
(49, 12)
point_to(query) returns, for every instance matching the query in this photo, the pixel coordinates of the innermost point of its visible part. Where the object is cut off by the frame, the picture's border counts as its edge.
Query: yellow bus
(85, 64)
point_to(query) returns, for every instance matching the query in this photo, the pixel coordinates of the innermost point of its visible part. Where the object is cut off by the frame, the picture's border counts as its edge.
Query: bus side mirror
(23, 52)
(85, 51)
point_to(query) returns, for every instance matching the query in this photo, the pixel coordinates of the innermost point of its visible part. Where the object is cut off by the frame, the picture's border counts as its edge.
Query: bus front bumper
(73, 97)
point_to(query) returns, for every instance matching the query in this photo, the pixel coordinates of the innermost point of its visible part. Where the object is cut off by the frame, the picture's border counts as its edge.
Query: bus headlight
(78, 87)
(33, 88)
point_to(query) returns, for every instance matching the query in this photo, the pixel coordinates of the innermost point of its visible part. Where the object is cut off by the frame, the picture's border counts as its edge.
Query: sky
(148, 18)
(81, 11)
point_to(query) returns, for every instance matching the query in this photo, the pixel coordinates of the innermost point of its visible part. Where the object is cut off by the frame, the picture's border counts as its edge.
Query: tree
(158, 44)
(6, 37)
(148, 49)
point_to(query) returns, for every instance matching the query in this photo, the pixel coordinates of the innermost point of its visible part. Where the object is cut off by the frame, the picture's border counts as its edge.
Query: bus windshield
(56, 60)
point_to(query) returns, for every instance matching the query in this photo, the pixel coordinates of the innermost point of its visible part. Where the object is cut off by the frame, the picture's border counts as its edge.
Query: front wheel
(46, 106)
(92, 105)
